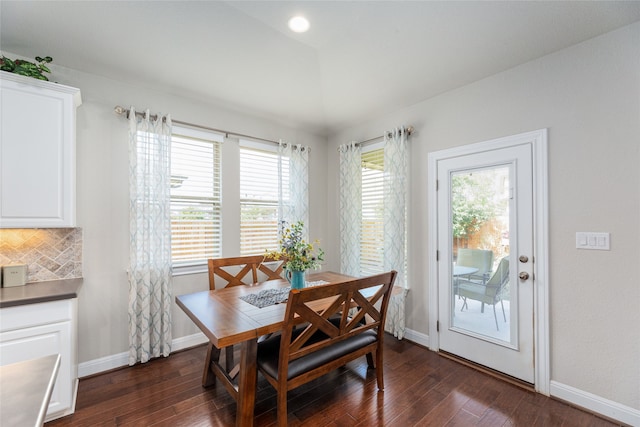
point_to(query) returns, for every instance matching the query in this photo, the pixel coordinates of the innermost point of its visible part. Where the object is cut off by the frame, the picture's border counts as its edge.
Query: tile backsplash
(50, 253)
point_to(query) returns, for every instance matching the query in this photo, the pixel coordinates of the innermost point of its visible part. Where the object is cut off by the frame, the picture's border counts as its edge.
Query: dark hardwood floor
(421, 389)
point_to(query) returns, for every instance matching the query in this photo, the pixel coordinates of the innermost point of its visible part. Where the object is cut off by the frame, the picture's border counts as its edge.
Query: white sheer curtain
(350, 208)
(396, 190)
(294, 192)
(150, 237)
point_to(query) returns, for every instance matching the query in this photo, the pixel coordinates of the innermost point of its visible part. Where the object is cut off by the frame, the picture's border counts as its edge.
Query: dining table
(226, 318)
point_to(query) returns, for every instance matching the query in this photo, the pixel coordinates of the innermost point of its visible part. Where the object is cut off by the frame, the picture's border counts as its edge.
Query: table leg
(247, 383)
(213, 355)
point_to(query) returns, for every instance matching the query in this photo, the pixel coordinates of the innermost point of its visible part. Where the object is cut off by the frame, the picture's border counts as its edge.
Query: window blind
(259, 199)
(196, 228)
(372, 232)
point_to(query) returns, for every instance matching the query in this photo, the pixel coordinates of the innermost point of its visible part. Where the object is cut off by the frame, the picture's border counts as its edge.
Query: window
(196, 229)
(260, 197)
(372, 233)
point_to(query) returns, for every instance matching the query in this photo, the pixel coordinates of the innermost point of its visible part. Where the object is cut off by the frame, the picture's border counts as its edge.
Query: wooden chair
(224, 269)
(333, 336)
(235, 272)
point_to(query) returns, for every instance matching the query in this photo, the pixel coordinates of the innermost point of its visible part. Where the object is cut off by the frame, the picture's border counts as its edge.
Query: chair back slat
(243, 271)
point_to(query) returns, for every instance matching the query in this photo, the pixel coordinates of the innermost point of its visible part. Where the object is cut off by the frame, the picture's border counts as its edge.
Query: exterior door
(485, 257)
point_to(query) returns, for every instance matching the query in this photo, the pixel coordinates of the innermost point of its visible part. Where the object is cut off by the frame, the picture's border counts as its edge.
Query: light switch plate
(593, 241)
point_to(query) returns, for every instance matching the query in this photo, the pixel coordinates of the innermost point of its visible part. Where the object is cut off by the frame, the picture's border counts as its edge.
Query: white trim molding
(595, 404)
(417, 337)
(120, 360)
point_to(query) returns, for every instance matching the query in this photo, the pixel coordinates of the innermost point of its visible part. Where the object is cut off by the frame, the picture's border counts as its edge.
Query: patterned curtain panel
(396, 180)
(150, 237)
(294, 191)
(350, 208)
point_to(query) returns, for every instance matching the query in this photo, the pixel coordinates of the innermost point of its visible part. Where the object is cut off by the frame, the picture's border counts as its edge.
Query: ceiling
(359, 59)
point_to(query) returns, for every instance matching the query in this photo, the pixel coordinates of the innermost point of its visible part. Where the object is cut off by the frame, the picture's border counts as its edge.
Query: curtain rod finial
(119, 110)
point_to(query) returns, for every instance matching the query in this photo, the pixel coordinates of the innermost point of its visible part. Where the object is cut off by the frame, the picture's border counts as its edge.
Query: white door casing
(485, 154)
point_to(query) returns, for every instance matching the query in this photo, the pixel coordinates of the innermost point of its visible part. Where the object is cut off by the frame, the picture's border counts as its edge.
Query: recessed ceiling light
(298, 24)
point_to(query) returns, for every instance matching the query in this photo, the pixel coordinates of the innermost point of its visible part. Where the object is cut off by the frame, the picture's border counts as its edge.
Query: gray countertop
(37, 292)
(26, 390)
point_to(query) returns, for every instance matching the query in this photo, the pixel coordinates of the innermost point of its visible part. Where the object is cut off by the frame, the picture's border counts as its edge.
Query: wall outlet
(593, 241)
(14, 275)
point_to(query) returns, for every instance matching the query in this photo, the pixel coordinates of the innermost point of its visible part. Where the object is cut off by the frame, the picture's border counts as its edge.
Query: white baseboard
(102, 364)
(596, 404)
(119, 360)
(417, 337)
(188, 341)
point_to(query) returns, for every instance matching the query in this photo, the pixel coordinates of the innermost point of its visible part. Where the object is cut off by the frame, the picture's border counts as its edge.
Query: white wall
(102, 200)
(588, 96)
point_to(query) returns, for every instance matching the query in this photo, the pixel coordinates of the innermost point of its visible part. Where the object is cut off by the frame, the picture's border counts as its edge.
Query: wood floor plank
(462, 419)
(421, 388)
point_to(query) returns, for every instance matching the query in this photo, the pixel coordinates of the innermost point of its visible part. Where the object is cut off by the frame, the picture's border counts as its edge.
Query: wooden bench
(348, 328)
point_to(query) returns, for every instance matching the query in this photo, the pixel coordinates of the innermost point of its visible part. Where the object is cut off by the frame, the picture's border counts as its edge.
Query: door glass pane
(480, 294)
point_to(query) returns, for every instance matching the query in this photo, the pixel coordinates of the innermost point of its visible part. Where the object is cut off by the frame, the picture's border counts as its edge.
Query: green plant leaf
(8, 65)
(26, 68)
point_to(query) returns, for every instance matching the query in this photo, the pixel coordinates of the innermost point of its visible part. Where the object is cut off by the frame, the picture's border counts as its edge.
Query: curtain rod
(125, 112)
(388, 134)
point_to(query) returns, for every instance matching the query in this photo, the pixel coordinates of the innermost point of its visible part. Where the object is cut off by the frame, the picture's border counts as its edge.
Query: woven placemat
(267, 297)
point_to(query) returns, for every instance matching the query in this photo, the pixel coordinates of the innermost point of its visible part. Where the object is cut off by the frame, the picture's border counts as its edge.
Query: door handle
(523, 275)
(523, 258)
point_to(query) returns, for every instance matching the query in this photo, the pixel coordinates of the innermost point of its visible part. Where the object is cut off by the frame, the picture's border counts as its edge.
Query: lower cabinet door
(38, 341)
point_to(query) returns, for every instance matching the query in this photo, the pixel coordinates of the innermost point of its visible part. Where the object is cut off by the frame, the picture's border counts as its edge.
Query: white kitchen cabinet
(37, 153)
(35, 330)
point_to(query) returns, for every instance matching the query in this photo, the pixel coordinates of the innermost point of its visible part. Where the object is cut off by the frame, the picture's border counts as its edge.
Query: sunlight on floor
(472, 319)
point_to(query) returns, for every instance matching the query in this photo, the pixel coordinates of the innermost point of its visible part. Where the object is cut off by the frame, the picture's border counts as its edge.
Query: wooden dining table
(226, 320)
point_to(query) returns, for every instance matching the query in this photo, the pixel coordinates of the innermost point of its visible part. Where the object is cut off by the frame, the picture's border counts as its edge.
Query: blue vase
(296, 278)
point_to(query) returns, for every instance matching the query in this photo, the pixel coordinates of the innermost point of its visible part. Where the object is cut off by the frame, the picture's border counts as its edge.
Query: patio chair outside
(481, 259)
(489, 292)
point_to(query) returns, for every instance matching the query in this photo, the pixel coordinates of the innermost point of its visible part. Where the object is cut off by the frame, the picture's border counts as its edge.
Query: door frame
(540, 268)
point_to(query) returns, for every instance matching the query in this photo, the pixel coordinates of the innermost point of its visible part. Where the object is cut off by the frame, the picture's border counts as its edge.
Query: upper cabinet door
(37, 153)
